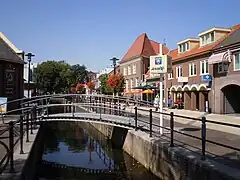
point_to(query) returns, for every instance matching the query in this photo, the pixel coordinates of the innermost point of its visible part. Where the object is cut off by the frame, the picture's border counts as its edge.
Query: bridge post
(21, 134)
(150, 122)
(104, 106)
(203, 137)
(27, 127)
(11, 145)
(31, 121)
(47, 106)
(172, 128)
(90, 102)
(119, 107)
(135, 118)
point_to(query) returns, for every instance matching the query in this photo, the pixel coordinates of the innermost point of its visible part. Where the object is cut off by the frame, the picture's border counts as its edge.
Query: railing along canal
(119, 106)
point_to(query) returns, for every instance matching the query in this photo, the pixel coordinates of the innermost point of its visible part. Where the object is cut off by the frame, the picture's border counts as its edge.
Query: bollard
(150, 122)
(203, 137)
(21, 134)
(172, 128)
(27, 128)
(135, 118)
(104, 107)
(31, 122)
(11, 145)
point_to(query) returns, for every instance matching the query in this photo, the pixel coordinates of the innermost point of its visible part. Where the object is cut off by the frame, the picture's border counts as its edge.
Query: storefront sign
(160, 64)
(3, 108)
(182, 79)
(207, 77)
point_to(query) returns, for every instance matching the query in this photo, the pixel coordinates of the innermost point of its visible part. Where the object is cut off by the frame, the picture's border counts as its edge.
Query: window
(136, 82)
(187, 46)
(134, 69)
(179, 71)
(207, 38)
(212, 36)
(126, 84)
(192, 69)
(180, 48)
(170, 75)
(129, 70)
(183, 47)
(131, 83)
(204, 67)
(124, 71)
(222, 67)
(236, 64)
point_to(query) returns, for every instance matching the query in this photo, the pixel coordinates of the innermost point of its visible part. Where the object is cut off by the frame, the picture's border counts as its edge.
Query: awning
(220, 57)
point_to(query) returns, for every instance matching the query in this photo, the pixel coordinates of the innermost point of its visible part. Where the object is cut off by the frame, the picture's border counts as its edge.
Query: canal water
(78, 151)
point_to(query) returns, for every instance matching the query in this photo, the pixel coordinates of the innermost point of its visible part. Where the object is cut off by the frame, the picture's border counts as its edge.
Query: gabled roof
(11, 45)
(198, 50)
(156, 47)
(232, 39)
(142, 46)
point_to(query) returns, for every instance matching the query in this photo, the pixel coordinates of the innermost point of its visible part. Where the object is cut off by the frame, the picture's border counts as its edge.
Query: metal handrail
(99, 104)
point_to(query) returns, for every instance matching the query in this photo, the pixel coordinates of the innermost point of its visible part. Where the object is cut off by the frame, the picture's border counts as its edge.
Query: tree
(53, 76)
(79, 73)
(116, 81)
(103, 84)
(80, 88)
(91, 85)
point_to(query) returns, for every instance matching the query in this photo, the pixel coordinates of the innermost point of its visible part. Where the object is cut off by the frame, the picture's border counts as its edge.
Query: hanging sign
(160, 64)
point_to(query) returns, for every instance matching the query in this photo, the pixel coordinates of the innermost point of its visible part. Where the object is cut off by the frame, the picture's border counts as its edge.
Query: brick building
(11, 71)
(191, 78)
(135, 63)
(226, 73)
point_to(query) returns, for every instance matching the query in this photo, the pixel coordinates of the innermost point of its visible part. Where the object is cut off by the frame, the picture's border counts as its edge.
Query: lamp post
(29, 59)
(114, 60)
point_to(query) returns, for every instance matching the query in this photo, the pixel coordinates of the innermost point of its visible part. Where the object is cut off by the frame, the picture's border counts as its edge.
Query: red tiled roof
(156, 47)
(142, 46)
(199, 50)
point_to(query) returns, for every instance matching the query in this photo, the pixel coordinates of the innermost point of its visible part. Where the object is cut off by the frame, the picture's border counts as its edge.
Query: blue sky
(91, 32)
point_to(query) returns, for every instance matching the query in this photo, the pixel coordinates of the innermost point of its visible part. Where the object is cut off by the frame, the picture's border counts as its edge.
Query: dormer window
(208, 38)
(183, 47)
(212, 35)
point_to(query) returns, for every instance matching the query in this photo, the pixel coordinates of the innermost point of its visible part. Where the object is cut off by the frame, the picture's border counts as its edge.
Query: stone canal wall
(167, 163)
(116, 134)
(35, 156)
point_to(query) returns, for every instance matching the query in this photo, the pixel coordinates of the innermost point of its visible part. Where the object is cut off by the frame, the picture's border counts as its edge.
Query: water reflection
(74, 152)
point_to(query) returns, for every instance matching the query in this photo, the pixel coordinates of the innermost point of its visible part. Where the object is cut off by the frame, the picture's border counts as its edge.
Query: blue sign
(158, 60)
(206, 77)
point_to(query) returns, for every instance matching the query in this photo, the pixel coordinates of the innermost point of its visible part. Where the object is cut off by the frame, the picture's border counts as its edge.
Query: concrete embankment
(167, 163)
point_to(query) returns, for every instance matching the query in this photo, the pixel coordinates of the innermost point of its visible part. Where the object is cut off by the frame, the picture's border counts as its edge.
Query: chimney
(161, 49)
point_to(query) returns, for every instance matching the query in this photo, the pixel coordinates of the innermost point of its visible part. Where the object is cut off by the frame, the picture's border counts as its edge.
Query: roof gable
(141, 47)
(8, 51)
(232, 39)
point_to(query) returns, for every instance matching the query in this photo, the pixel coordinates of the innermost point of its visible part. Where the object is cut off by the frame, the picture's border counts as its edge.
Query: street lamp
(29, 56)
(114, 60)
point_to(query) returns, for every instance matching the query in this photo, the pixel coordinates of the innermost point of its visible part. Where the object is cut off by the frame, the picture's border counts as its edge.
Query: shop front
(191, 96)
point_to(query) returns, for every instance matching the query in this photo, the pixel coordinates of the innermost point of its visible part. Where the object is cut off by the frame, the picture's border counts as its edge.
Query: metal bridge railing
(118, 106)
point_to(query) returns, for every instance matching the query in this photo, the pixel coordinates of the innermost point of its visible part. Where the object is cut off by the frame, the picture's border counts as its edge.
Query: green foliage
(79, 73)
(103, 87)
(58, 76)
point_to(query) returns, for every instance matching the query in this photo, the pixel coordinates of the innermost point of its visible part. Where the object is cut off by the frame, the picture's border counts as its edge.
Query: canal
(73, 150)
